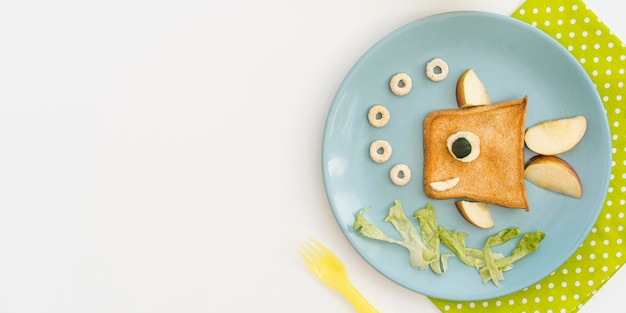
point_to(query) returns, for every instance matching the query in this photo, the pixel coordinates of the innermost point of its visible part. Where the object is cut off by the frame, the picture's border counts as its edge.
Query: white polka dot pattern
(603, 56)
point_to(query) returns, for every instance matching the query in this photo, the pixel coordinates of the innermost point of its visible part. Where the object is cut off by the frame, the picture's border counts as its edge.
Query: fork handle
(357, 300)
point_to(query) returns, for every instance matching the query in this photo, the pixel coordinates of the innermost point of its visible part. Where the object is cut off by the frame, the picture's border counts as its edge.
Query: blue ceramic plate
(512, 59)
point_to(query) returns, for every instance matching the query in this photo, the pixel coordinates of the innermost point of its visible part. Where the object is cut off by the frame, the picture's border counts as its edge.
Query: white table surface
(165, 156)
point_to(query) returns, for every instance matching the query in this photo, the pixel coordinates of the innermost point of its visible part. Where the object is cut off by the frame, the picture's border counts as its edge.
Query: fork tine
(321, 247)
(314, 246)
(311, 252)
(306, 259)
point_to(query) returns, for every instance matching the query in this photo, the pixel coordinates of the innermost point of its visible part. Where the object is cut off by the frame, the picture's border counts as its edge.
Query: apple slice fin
(470, 90)
(477, 213)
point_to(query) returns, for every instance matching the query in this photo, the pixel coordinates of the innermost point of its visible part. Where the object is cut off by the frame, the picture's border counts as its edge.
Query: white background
(165, 156)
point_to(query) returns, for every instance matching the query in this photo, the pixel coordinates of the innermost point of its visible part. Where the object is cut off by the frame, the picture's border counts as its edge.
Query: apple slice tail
(555, 136)
(555, 174)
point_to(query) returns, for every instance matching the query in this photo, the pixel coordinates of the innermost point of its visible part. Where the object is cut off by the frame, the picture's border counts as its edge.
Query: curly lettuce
(419, 255)
(430, 234)
(424, 246)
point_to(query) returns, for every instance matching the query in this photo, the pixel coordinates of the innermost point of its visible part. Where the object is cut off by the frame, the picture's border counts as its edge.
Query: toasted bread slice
(496, 175)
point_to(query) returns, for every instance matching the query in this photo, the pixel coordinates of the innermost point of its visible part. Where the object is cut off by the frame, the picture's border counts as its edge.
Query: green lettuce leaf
(493, 268)
(495, 272)
(528, 244)
(419, 255)
(430, 235)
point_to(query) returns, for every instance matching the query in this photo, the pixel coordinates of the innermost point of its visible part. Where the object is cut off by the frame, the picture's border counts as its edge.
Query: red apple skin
(554, 174)
(478, 221)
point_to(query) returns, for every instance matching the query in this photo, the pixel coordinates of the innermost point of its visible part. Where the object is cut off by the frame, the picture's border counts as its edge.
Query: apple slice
(444, 184)
(555, 174)
(555, 136)
(477, 213)
(470, 91)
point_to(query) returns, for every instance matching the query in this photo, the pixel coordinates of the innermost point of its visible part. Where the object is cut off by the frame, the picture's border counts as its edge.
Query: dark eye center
(461, 147)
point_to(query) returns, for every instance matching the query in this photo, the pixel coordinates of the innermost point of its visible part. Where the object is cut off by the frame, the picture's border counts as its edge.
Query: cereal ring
(378, 116)
(401, 84)
(380, 151)
(437, 69)
(400, 174)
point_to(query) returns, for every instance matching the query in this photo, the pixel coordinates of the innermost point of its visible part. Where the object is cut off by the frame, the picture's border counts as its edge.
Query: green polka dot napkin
(603, 56)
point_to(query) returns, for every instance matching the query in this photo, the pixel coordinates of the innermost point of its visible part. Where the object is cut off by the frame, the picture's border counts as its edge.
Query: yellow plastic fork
(331, 271)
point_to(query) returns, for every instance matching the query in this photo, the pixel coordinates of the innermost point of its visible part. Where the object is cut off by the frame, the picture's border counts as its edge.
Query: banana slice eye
(464, 146)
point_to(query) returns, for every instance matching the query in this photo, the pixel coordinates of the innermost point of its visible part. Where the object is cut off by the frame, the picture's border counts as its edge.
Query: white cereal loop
(437, 69)
(401, 84)
(378, 116)
(400, 174)
(380, 151)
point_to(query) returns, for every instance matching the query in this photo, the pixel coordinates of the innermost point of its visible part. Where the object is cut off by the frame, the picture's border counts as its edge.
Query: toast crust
(497, 175)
